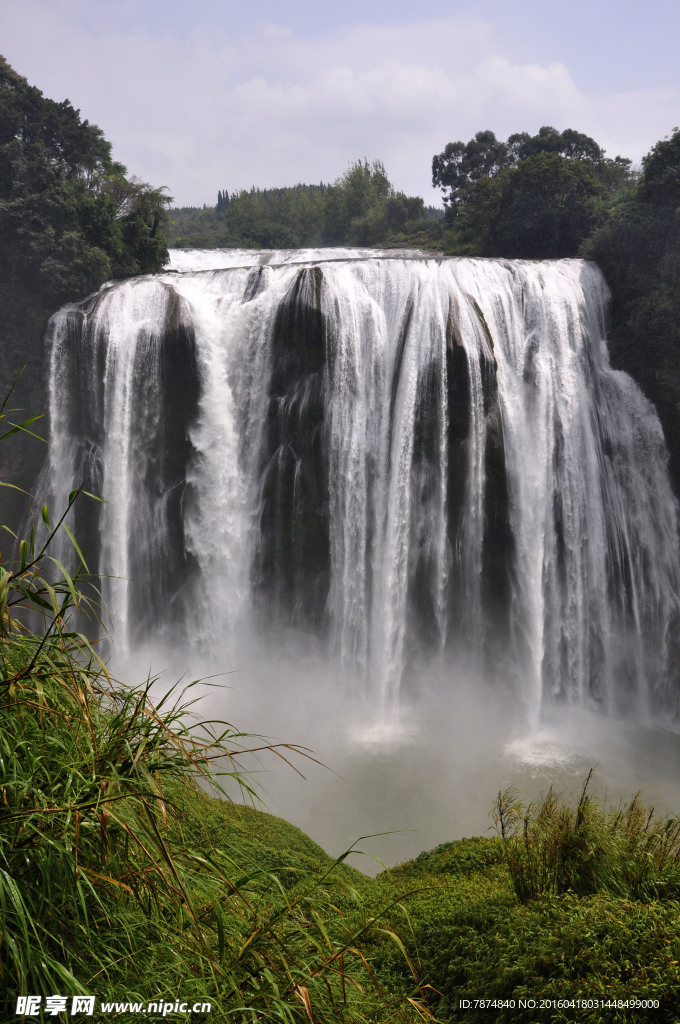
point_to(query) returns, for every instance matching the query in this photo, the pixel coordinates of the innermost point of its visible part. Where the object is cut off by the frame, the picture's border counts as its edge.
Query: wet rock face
(164, 453)
(160, 397)
(426, 624)
(293, 558)
(498, 553)
(82, 417)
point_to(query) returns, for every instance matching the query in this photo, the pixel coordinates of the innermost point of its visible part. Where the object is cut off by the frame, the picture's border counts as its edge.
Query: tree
(461, 164)
(548, 208)
(661, 171)
(361, 207)
(474, 218)
(533, 196)
(570, 144)
(70, 218)
(352, 198)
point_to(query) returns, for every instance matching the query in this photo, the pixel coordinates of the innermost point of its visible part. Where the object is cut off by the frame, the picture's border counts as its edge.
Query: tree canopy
(461, 164)
(69, 216)
(532, 196)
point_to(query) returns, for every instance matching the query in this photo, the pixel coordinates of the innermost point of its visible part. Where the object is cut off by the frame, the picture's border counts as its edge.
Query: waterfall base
(407, 497)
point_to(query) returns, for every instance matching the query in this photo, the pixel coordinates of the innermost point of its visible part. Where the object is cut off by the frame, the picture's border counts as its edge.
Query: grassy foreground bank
(237, 907)
(121, 878)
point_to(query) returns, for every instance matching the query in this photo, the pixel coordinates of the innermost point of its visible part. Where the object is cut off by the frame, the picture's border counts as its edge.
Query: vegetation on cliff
(532, 197)
(572, 915)
(70, 218)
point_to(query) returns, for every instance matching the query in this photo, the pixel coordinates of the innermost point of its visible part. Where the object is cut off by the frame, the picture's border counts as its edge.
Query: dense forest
(361, 208)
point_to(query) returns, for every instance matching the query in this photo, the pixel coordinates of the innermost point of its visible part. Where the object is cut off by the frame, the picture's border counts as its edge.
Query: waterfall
(412, 459)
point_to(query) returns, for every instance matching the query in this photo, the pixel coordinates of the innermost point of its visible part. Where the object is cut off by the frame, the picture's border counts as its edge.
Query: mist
(427, 774)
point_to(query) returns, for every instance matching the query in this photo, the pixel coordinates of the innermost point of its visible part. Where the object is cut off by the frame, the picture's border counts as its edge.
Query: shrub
(553, 848)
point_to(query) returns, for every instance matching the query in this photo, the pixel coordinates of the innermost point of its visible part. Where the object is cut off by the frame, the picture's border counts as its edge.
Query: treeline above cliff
(361, 208)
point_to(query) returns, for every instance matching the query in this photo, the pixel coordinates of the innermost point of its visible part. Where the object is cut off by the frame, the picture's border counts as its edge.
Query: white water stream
(487, 531)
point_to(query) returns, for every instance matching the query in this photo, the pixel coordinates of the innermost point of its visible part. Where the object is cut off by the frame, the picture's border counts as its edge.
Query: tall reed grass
(553, 847)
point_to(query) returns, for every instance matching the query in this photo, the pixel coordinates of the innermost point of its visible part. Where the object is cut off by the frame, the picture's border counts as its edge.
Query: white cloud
(207, 111)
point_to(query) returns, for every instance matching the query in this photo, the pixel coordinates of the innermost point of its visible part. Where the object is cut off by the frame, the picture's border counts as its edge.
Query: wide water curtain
(416, 461)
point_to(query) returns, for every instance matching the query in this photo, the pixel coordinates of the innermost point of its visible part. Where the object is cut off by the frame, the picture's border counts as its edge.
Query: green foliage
(661, 172)
(570, 144)
(548, 208)
(119, 877)
(69, 218)
(276, 218)
(462, 164)
(532, 197)
(360, 208)
(580, 904)
(542, 209)
(553, 848)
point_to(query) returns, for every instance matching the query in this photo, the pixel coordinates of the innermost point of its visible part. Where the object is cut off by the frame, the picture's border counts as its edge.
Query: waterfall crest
(412, 458)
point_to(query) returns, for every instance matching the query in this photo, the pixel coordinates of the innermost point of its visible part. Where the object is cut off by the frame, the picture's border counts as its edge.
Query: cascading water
(415, 459)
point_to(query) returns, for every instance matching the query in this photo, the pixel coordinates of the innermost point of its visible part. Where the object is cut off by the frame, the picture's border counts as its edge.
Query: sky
(201, 95)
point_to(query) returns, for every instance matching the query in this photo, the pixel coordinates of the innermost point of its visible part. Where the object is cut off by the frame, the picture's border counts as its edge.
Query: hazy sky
(214, 94)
